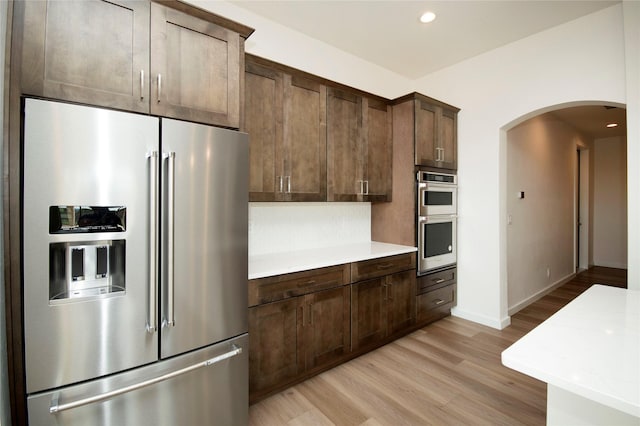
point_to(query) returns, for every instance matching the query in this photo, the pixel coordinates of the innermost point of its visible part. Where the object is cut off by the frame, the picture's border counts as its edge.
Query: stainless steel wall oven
(437, 220)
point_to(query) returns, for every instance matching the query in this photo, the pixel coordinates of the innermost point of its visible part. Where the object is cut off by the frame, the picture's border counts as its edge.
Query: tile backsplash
(282, 227)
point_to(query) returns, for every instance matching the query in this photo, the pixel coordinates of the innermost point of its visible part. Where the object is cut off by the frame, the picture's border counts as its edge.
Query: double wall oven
(437, 216)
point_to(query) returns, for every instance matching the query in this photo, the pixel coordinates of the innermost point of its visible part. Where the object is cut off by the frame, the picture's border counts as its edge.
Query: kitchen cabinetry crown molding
(258, 60)
(420, 96)
(203, 14)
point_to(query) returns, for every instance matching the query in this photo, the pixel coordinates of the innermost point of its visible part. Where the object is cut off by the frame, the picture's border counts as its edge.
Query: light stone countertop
(590, 347)
(266, 265)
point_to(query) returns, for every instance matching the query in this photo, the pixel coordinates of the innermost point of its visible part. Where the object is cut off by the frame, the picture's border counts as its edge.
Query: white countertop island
(589, 355)
(265, 265)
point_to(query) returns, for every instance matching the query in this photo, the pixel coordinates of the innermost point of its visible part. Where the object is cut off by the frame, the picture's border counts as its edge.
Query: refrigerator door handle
(56, 407)
(169, 320)
(152, 313)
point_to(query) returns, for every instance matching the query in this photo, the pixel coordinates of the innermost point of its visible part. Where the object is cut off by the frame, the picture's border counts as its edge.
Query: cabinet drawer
(270, 289)
(436, 304)
(436, 280)
(382, 266)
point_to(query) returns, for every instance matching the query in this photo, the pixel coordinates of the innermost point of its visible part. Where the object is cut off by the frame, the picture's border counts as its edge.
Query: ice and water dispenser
(87, 267)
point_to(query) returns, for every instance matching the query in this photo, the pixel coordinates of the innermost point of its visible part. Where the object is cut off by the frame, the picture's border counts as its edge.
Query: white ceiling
(388, 33)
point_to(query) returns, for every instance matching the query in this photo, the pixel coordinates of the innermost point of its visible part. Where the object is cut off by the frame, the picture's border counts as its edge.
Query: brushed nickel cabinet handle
(159, 87)
(307, 283)
(438, 302)
(384, 266)
(438, 280)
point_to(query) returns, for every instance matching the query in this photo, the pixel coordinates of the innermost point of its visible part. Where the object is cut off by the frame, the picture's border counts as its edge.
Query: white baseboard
(481, 319)
(540, 294)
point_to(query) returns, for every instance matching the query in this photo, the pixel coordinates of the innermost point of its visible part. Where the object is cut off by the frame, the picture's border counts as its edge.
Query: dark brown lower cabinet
(436, 304)
(273, 344)
(382, 307)
(298, 335)
(327, 330)
(309, 321)
(436, 295)
(368, 312)
(401, 301)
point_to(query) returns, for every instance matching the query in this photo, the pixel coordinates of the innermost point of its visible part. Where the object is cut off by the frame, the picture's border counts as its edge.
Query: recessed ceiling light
(612, 125)
(427, 17)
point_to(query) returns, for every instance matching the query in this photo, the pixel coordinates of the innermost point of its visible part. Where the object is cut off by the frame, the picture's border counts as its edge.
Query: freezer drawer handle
(56, 408)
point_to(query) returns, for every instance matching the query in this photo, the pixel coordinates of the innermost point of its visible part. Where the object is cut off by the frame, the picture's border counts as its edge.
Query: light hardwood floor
(447, 373)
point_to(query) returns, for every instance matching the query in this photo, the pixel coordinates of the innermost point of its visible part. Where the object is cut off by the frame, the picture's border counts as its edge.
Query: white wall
(583, 60)
(541, 162)
(632, 60)
(610, 203)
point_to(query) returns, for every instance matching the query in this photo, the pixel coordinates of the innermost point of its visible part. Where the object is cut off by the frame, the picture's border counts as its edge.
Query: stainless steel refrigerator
(134, 269)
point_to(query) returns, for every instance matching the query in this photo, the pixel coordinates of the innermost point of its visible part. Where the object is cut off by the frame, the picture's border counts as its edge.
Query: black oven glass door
(438, 239)
(436, 242)
(437, 199)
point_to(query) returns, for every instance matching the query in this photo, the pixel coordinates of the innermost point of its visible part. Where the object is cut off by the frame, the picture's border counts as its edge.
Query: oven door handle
(437, 218)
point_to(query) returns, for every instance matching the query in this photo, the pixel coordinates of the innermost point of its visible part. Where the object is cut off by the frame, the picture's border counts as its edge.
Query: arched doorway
(540, 203)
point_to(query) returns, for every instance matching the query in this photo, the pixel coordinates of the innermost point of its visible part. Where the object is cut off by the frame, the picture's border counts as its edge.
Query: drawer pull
(306, 283)
(385, 266)
(438, 280)
(438, 302)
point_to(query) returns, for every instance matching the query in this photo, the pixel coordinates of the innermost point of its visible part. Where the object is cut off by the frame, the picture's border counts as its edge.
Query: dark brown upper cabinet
(359, 147)
(93, 52)
(435, 132)
(285, 116)
(174, 60)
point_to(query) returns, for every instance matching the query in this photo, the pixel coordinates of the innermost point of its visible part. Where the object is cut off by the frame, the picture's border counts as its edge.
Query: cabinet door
(93, 52)
(368, 312)
(401, 301)
(326, 326)
(263, 123)
(378, 158)
(426, 133)
(273, 344)
(435, 304)
(448, 139)
(195, 68)
(344, 146)
(305, 139)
